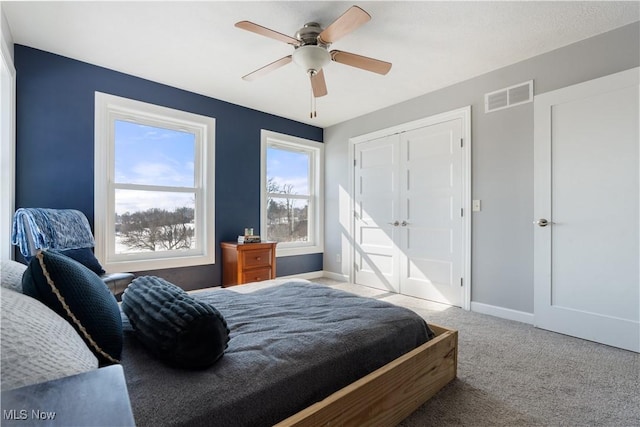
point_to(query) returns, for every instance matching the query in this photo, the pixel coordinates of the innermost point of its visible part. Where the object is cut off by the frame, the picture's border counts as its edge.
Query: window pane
(149, 221)
(287, 220)
(287, 171)
(151, 155)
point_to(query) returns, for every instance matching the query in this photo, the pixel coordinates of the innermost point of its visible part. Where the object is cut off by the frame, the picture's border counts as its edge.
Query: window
(154, 184)
(7, 148)
(291, 202)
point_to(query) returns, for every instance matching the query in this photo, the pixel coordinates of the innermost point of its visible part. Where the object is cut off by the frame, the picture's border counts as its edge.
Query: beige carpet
(512, 374)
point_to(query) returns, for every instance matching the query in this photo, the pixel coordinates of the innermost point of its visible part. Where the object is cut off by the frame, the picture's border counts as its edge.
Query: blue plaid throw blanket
(58, 229)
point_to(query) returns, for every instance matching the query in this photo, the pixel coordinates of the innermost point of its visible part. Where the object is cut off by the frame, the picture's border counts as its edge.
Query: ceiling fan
(311, 44)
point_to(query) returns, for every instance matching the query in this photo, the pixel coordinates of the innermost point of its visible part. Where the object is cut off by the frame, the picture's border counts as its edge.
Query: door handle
(542, 222)
(394, 223)
(404, 223)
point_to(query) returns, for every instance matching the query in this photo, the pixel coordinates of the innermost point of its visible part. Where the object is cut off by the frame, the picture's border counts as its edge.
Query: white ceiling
(195, 46)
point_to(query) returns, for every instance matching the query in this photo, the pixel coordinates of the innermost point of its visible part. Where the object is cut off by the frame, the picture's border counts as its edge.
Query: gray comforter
(291, 346)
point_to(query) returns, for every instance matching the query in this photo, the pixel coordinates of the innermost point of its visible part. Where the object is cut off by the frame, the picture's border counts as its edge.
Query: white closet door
(431, 230)
(587, 211)
(409, 232)
(376, 209)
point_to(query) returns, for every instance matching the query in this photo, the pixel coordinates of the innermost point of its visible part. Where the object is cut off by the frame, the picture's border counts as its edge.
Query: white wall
(502, 162)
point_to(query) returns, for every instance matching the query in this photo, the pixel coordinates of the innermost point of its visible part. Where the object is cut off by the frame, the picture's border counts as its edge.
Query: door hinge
(461, 282)
(461, 142)
(461, 211)
(354, 162)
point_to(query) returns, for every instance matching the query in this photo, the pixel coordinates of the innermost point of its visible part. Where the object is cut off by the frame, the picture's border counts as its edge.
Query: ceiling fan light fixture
(311, 58)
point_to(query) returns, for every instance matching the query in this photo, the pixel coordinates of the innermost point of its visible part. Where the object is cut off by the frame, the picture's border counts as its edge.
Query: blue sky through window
(148, 155)
(153, 156)
(289, 167)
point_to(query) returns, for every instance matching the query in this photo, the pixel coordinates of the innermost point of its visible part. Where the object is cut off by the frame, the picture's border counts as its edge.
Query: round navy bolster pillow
(176, 327)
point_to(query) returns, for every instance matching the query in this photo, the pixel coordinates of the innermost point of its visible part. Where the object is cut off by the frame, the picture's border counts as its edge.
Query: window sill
(157, 264)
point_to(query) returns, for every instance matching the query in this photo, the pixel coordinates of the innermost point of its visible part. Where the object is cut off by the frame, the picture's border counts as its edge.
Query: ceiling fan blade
(263, 31)
(318, 84)
(267, 68)
(359, 61)
(353, 18)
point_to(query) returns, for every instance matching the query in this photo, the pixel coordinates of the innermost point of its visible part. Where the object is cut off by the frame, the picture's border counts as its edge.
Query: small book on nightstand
(249, 239)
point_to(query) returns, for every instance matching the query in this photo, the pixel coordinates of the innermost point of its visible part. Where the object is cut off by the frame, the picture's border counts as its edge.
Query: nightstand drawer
(256, 258)
(257, 275)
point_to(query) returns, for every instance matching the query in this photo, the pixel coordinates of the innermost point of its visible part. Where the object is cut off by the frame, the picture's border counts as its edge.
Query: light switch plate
(476, 206)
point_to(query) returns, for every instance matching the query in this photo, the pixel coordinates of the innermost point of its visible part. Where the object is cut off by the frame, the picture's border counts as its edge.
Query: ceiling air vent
(508, 97)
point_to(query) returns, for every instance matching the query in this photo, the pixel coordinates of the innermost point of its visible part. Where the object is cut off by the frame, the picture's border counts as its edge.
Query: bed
(300, 354)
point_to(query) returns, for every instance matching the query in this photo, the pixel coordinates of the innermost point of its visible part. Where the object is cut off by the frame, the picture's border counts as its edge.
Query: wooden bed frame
(390, 394)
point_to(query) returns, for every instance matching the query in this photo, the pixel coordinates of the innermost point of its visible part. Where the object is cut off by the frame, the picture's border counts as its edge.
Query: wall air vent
(508, 97)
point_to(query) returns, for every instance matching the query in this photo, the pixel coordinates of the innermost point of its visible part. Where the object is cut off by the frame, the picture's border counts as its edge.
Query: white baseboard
(315, 274)
(504, 313)
(308, 276)
(336, 276)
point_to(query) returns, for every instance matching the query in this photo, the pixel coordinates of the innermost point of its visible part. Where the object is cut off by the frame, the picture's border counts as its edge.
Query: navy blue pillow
(174, 326)
(80, 297)
(85, 257)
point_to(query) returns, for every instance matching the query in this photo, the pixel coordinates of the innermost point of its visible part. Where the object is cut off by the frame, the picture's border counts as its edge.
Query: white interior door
(376, 208)
(431, 242)
(587, 268)
(409, 231)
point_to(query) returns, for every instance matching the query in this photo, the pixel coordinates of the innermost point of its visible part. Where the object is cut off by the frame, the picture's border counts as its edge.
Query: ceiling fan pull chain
(315, 113)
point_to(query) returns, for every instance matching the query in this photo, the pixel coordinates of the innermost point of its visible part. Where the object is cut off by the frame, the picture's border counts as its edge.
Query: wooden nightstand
(247, 262)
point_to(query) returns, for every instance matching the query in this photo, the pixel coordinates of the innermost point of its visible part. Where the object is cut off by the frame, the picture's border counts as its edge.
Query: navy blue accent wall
(55, 148)
(289, 265)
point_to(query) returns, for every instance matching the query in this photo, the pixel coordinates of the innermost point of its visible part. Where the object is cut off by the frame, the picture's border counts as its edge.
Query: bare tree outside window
(156, 229)
(287, 215)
